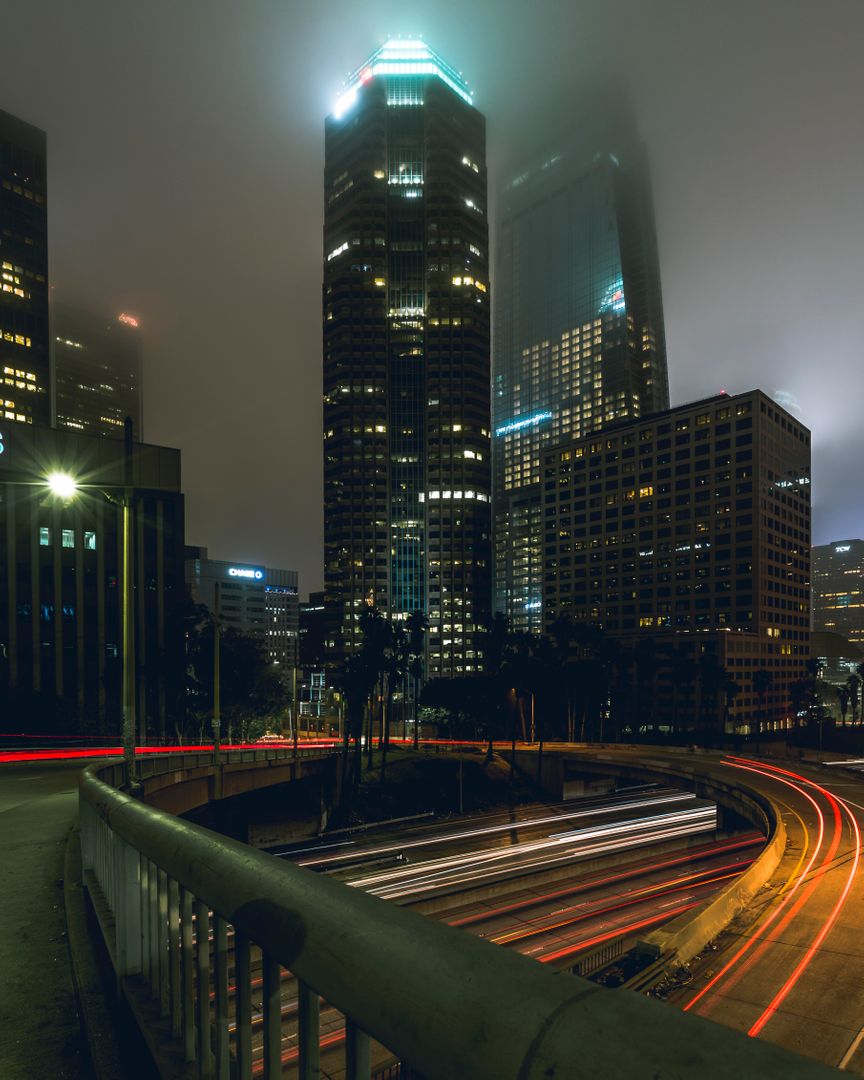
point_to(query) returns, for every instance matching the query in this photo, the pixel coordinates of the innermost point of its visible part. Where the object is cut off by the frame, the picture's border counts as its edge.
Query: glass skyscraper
(24, 346)
(579, 338)
(407, 469)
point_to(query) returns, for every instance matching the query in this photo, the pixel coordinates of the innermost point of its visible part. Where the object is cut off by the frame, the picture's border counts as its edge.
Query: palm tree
(356, 682)
(683, 673)
(761, 680)
(853, 684)
(417, 625)
(731, 690)
(842, 693)
(376, 640)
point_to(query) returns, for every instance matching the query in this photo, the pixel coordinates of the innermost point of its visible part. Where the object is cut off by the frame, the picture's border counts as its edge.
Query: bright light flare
(62, 484)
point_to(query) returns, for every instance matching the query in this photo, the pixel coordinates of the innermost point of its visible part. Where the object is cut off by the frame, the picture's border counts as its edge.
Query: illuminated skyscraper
(578, 323)
(97, 372)
(24, 349)
(407, 483)
(838, 589)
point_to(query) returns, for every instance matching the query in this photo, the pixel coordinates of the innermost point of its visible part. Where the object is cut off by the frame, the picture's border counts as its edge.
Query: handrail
(447, 1003)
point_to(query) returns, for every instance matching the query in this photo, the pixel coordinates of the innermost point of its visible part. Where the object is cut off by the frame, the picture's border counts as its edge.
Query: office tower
(61, 639)
(838, 589)
(690, 526)
(406, 356)
(97, 372)
(258, 601)
(579, 338)
(25, 375)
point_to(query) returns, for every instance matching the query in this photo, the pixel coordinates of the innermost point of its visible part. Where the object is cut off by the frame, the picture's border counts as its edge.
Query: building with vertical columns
(97, 372)
(407, 481)
(579, 336)
(25, 354)
(61, 597)
(690, 527)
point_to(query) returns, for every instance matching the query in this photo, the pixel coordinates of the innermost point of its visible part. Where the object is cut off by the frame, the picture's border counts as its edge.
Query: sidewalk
(40, 1034)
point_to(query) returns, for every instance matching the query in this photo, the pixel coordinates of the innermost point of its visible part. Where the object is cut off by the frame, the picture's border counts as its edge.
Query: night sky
(185, 162)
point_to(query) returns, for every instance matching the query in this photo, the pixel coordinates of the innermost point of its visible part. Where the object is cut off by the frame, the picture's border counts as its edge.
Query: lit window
(90, 541)
(68, 539)
(44, 536)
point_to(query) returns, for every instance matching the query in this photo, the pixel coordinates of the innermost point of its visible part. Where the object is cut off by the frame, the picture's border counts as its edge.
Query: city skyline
(777, 252)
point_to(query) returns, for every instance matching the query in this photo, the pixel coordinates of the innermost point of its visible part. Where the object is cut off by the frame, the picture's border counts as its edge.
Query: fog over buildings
(190, 194)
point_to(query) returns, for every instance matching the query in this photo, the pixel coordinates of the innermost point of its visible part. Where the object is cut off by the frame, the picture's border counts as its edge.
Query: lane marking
(853, 1046)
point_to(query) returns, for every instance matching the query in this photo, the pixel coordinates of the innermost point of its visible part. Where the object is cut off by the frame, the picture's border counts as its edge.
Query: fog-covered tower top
(407, 483)
(579, 336)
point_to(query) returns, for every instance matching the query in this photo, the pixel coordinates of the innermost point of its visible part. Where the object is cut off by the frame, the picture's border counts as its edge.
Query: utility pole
(128, 612)
(217, 673)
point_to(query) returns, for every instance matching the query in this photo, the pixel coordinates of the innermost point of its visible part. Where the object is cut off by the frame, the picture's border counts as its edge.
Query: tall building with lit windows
(579, 338)
(25, 374)
(97, 372)
(838, 589)
(407, 472)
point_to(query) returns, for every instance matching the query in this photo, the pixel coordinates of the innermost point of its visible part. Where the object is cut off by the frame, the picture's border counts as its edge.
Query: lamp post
(66, 487)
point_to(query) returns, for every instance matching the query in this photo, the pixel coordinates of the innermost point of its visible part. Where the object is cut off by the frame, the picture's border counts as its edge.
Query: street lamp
(66, 487)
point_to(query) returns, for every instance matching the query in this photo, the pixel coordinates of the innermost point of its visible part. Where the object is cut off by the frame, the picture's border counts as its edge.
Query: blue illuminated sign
(523, 422)
(2, 447)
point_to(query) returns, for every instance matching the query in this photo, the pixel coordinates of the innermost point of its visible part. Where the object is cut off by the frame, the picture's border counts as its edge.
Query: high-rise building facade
(838, 589)
(97, 373)
(693, 522)
(258, 601)
(25, 365)
(407, 471)
(579, 337)
(61, 583)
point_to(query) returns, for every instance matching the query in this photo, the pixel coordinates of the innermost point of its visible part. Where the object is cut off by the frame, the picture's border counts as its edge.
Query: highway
(790, 968)
(511, 855)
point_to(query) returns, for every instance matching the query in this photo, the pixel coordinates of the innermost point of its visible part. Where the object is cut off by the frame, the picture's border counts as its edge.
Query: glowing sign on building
(130, 320)
(523, 422)
(245, 572)
(840, 548)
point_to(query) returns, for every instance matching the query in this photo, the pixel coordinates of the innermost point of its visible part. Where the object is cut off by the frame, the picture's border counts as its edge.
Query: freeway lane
(790, 969)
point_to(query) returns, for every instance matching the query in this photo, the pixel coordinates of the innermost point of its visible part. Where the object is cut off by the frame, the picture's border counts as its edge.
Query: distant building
(407, 481)
(25, 367)
(838, 588)
(61, 643)
(282, 620)
(97, 373)
(313, 653)
(838, 657)
(312, 632)
(579, 335)
(691, 525)
(258, 601)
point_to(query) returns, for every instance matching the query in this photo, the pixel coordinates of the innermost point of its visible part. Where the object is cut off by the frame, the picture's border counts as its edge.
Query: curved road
(790, 968)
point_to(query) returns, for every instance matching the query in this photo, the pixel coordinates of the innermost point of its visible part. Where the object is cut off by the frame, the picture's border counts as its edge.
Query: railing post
(164, 954)
(153, 935)
(357, 1059)
(202, 991)
(272, 1017)
(144, 913)
(220, 982)
(127, 917)
(187, 975)
(243, 1005)
(308, 1031)
(174, 984)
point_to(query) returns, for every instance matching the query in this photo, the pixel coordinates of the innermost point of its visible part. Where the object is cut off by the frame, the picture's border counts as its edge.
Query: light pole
(66, 487)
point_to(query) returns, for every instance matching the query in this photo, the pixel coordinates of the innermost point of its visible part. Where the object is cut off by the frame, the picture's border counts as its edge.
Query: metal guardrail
(183, 908)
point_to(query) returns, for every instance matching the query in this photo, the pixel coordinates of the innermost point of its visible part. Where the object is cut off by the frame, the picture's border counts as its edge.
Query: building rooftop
(401, 57)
